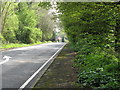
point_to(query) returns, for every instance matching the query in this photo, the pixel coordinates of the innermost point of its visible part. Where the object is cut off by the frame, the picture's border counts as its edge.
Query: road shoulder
(61, 73)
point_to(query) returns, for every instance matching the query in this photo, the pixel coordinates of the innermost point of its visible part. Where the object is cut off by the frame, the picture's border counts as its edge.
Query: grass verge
(16, 45)
(61, 73)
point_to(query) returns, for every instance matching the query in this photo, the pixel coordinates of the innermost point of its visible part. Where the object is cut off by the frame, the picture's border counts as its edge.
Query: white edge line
(25, 84)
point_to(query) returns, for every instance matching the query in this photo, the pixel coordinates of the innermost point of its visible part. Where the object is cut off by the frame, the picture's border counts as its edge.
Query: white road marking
(6, 59)
(27, 82)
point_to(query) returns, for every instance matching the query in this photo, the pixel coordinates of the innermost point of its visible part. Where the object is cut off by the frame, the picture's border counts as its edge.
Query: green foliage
(97, 68)
(27, 32)
(36, 35)
(9, 30)
(99, 79)
(22, 22)
(15, 45)
(93, 31)
(45, 5)
(9, 22)
(29, 35)
(46, 24)
(2, 39)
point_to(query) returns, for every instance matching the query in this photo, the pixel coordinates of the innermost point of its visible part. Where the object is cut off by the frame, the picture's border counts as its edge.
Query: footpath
(61, 73)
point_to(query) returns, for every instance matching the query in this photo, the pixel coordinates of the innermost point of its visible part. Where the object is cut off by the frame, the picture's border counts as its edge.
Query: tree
(8, 15)
(27, 33)
(93, 31)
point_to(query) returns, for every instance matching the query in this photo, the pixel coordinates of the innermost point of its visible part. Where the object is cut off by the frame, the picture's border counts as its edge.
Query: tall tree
(8, 15)
(27, 33)
(93, 30)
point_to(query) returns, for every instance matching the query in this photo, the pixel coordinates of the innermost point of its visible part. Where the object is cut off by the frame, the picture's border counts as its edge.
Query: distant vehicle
(59, 39)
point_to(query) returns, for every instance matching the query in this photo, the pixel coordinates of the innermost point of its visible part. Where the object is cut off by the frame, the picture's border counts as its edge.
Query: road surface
(24, 62)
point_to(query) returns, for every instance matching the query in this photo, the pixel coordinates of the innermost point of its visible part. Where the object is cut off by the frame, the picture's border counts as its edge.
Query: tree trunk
(5, 17)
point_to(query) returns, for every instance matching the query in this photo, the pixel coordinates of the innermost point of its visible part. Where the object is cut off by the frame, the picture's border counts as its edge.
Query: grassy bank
(16, 45)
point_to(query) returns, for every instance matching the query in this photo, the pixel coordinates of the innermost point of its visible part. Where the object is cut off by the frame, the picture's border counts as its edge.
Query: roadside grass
(16, 45)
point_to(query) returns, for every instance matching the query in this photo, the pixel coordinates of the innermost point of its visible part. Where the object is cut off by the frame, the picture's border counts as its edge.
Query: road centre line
(27, 82)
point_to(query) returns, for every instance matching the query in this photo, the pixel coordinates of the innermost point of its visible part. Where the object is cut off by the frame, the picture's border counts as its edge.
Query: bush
(2, 39)
(29, 35)
(98, 68)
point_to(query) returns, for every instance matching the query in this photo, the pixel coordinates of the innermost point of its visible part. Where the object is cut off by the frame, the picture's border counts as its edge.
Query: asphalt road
(24, 62)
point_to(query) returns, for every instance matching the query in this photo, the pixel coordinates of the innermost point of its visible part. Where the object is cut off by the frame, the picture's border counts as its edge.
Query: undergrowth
(98, 67)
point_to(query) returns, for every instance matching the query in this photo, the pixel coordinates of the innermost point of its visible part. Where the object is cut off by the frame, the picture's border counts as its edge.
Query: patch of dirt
(61, 73)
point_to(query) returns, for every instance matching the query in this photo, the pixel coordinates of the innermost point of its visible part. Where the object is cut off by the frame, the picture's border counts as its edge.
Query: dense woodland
(93, 30)
(25, 22)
